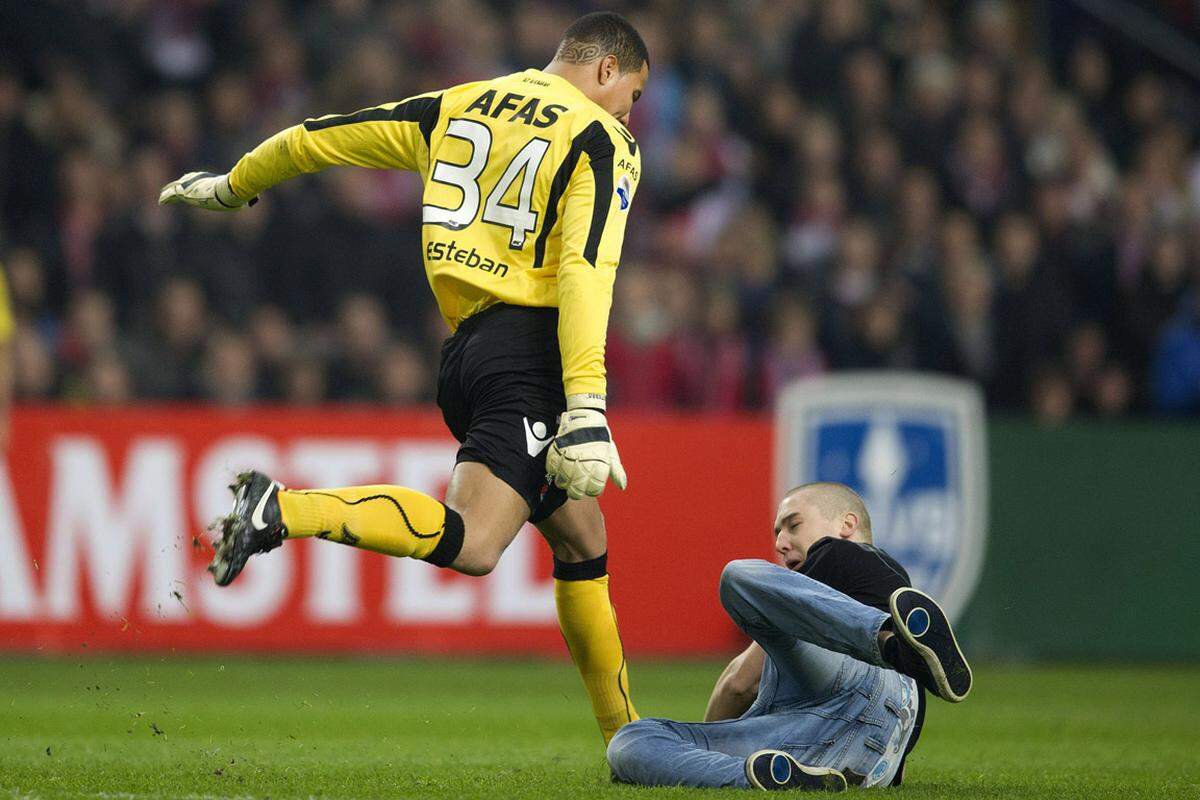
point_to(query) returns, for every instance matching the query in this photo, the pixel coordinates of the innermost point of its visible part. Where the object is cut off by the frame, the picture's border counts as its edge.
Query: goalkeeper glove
(204, 189)
(582, 456)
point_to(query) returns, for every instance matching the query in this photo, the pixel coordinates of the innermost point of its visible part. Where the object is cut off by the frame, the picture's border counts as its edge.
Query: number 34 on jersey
(524, 174)
(509, 203)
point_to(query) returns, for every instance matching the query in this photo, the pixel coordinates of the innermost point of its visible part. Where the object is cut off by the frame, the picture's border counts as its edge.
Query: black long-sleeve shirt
(868, 575)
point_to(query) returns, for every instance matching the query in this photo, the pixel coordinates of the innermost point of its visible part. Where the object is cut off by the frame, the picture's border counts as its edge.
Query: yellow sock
(589, 625)
(387, 519)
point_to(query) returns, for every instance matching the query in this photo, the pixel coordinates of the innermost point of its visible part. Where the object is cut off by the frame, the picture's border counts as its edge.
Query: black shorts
(501, 392)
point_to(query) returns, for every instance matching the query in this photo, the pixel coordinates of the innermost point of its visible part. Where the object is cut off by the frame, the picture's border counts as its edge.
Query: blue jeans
(826, 696)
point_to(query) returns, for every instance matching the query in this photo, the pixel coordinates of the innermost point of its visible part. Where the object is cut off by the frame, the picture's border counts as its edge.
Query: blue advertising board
(913, 446)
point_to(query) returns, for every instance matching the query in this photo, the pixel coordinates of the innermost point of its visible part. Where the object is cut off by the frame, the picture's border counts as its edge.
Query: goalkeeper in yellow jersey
(528, 179)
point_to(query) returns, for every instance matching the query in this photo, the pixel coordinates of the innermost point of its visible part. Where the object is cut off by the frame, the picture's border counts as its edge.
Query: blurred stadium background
(1006, 193)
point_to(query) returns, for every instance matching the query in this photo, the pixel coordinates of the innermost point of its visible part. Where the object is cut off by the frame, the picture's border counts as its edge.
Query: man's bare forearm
(737, 687)
(726, 703)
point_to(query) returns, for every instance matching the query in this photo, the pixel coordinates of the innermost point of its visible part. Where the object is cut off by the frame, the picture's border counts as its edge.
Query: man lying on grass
(831, 692)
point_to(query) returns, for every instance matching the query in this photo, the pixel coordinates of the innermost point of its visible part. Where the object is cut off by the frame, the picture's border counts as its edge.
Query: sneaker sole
(232, 529)
(222, 563)
(814, 779)
(956, 690)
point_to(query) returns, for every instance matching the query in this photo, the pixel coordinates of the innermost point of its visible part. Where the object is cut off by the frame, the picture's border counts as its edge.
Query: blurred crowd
(827, 186)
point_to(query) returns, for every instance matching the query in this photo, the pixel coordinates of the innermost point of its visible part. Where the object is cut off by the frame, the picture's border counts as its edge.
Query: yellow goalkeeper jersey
(6, 317)
(527, 185)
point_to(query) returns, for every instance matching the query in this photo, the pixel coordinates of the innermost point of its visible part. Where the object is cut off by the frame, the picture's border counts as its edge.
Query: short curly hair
(601, 33)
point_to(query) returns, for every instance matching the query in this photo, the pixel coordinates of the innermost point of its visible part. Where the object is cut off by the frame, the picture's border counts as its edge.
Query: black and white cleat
(254, 526)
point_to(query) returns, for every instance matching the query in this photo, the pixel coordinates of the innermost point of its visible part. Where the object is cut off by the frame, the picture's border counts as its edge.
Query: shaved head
(835, 499)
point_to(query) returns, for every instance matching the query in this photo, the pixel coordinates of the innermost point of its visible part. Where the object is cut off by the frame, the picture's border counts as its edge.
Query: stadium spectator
(792, 351)
(1051, 396)
(89, 330)
(362, 336)
(304, 381)
(107, 382)
(34, 374)
(168, 365)
(639, 355)
(1176, 368)
(6, 363)
(403, 377)
(229, 371)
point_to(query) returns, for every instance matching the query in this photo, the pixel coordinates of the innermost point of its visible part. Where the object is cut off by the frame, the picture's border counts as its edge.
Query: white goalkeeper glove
(582, 456)
(205, 190)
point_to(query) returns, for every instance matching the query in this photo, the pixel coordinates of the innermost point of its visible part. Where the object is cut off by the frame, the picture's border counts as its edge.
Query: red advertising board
(102, 541)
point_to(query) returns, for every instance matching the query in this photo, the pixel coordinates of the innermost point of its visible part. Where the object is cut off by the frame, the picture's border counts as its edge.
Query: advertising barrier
(1093, 543)
(1090, 549)
(102, 540)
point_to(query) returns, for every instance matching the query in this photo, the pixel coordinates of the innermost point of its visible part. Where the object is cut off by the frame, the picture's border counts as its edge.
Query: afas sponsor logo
(523, 109)
(450, 251)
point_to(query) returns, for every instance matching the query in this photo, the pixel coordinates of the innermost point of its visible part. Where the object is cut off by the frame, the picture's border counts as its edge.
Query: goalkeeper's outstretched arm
(390, 136)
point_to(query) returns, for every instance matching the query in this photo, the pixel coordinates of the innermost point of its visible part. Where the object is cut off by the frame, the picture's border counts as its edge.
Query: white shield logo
(914, 447)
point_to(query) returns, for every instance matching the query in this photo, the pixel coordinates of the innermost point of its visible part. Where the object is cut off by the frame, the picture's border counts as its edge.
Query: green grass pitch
(340, 728)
